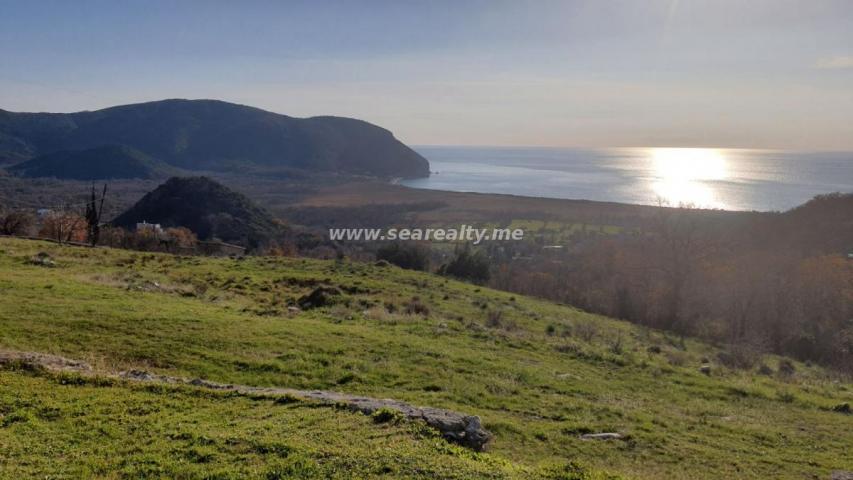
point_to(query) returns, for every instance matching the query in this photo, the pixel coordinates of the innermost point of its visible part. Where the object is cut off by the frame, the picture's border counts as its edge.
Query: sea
(719, 178)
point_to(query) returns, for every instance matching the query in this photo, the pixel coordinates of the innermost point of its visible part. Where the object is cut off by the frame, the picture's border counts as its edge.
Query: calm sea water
(733, 179)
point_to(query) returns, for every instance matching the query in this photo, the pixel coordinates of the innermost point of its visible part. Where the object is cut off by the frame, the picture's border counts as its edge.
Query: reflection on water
(682, 176)
(734, 179)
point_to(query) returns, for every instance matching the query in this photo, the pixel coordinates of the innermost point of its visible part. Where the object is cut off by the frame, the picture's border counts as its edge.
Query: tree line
(779, 283)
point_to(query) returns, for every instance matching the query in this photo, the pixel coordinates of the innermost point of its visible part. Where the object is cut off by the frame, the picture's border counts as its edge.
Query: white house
(154, 227)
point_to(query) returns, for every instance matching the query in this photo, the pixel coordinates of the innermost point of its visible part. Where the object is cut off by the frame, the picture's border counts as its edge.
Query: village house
(154, 227)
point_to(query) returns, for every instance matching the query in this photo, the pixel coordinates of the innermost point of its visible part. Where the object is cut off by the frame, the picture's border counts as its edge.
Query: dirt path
(456, 427)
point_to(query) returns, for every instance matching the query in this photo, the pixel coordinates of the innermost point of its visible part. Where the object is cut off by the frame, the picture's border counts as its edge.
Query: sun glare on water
(684, 176)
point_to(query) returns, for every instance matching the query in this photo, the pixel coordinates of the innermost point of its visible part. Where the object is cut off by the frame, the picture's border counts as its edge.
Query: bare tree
(64, 227)
(93, 216)
(680, 246)
(15, 223)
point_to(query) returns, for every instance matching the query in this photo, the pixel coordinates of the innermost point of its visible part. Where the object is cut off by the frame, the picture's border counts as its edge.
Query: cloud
(836, 62)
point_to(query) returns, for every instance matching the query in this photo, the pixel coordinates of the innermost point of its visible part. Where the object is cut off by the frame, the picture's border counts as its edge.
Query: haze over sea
(732, 179)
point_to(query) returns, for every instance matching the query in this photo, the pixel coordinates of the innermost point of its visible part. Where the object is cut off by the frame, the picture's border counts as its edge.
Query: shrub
(286, 399)
(676, 358)
(21, 416)
(181, 237)
(740, 355)
(616, 346)
(786, 397)
(114, 237)
(320, 297)
(379, 314)
(587, 331)
(494, 318)
(468, 265)
(405, 255)
(786, 367)
(16, 223)
(570, 348)
(385, 415)
(416, 307)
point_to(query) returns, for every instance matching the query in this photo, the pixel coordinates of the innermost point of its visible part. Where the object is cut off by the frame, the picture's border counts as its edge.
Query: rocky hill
(206, 207)
(215, 135)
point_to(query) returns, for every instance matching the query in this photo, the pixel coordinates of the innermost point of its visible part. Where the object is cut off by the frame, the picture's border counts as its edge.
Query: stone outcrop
(320, 297)
(602, 436)
(44, 360)
(465, 430)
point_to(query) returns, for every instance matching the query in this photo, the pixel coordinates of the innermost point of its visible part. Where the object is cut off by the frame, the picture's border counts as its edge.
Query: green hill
(99, 163)
(215, 135)
(206, 207)
(540, 375)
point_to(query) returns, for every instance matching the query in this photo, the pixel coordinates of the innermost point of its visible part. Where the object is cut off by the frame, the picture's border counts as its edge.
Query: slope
(215, 135)
(99, 163)
(539, 375)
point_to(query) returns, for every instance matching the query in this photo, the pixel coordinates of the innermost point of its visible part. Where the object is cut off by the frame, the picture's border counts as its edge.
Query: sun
(685, 176)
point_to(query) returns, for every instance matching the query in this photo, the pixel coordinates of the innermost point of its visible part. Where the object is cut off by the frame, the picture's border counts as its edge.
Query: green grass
(538, 374)
(70, 427)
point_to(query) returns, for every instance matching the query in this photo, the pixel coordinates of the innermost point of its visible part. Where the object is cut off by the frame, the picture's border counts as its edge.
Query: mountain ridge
(214, 135)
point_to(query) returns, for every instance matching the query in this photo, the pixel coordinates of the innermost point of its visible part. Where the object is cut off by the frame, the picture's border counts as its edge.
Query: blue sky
(762, 74)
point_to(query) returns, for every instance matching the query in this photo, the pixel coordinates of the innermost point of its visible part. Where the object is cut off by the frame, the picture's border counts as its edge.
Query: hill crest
(208, 208)
(215, 135)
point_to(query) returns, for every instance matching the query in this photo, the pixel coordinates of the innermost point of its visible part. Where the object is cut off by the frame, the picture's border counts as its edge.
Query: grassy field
(65, 426)
(539, 375)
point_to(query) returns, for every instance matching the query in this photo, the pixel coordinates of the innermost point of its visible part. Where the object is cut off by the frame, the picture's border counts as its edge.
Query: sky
(599, 73)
